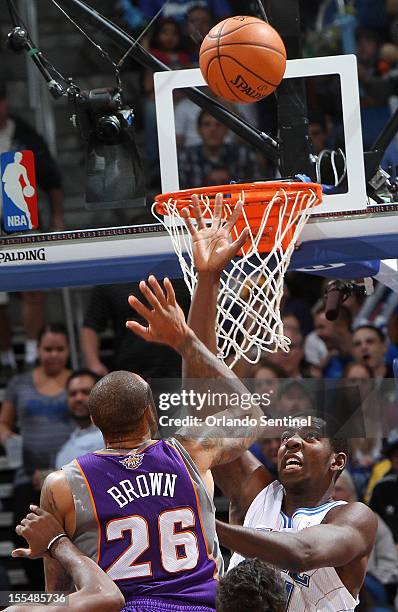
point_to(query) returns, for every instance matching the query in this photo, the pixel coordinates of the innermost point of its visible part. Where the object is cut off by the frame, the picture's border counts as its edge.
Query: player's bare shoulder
(56, 496)
(55, 482)
(357, 517)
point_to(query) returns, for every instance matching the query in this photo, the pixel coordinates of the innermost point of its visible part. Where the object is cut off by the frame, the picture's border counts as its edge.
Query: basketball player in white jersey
(321, 546)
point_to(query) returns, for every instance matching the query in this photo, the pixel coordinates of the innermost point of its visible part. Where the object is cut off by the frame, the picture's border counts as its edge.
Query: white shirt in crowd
(81, 442)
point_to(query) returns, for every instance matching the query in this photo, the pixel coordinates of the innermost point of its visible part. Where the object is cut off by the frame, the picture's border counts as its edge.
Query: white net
(248, 309)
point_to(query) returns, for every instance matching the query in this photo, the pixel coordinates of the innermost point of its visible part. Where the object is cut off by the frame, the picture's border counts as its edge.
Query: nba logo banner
(18, 187)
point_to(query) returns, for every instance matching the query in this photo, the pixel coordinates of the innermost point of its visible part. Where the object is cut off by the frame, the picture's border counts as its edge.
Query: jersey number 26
(179, 551)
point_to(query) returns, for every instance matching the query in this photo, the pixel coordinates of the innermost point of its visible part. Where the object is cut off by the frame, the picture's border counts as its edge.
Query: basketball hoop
(248, 308)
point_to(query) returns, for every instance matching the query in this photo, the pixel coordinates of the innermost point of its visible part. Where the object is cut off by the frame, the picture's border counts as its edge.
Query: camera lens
(109, 128)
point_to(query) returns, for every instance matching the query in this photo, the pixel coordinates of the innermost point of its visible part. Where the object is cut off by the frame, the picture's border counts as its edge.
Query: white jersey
(318, 590)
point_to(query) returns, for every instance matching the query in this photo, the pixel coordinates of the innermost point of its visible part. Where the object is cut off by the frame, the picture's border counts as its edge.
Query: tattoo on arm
(51, 501)
(225, 450)
(203, 364)
(57, 579)
(64, 583)
(215, 451)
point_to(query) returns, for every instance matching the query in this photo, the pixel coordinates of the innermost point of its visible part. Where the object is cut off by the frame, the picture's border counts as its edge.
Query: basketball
(28, 191)
(242, 59)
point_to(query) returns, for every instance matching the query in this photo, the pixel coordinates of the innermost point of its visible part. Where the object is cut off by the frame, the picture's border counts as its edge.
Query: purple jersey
(151, 523)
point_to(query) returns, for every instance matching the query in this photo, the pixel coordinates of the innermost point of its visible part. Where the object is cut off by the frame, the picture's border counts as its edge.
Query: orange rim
(255, 193)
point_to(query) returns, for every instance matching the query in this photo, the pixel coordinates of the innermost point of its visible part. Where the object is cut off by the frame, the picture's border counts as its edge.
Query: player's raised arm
(323, 545)
(167, 325)
(213, 250)
(96, 592)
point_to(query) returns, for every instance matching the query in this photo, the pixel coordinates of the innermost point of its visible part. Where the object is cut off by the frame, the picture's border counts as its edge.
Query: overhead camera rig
(98, 110)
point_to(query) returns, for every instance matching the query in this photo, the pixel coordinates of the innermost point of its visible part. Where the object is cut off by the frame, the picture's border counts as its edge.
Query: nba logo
(18, 187)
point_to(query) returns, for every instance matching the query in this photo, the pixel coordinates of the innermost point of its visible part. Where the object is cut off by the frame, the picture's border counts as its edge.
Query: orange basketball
(242, 59)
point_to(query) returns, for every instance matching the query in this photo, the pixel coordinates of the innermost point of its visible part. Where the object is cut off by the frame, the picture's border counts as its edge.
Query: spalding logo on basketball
(242, 59)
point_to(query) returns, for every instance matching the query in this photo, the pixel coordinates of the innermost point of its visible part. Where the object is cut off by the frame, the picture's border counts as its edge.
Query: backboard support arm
(291, 96)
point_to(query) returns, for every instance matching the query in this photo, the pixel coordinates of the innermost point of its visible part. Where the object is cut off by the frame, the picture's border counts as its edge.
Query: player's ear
(339, 461)
(151, 418)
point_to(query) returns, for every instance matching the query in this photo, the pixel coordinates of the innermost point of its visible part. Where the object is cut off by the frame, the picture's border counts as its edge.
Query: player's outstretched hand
(38, 528)
(166, 320)
(211, 246)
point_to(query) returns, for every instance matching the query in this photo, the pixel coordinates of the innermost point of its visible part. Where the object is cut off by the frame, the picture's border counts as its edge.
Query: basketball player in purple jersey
(142, 507)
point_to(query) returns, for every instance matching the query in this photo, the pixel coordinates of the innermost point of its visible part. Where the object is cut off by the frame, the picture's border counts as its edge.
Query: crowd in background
(45, 406)
(208, 152)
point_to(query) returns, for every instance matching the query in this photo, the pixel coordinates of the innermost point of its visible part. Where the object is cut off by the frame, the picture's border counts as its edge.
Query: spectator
(196, 162)
(218, 176)
(16, 135)
(198, 22)
(178, 9)
(108, 303)
(36, 401)
(344, 488)
(293, 326)
(86, 438)
(380, 469)
(365, 451)
(329, 346)
(369, 348)
(294, 399)
(292, 362)
(166, 45)
(392, 337)
(266, 380)
(266, 451)
(318, 132)
(377, 84)
(368, 14)
(132, 15)
(291, 323)
(266, 376)
(383, 562)
(252, 586)
(384, 499)
(186, 115)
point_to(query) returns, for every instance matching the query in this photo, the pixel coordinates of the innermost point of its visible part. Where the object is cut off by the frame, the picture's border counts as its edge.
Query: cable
(262, 11)
(104, 53)
(15, 17)
(21, 36)
(333, 154)
(123, 58)
(345, 166)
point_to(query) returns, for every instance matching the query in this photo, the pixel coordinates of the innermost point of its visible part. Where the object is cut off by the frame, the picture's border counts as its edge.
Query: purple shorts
(159, 605)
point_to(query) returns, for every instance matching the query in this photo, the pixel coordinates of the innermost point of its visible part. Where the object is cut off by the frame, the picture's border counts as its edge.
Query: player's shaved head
(118, 402)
